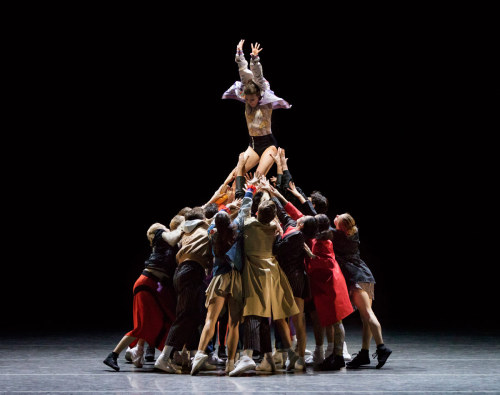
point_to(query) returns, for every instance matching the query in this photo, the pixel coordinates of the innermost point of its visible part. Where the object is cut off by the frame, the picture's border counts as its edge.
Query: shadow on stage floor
(423, 361)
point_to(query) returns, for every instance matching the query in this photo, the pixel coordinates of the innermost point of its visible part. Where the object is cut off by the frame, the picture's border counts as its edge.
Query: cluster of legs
(257, 336)
(214, 310)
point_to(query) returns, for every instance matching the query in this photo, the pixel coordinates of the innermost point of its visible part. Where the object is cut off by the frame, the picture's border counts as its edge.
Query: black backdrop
(122, 124)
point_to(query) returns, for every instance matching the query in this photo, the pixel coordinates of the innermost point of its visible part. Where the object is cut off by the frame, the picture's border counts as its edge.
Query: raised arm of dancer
(174, 236)
(297, 194)
(245, 73)
(218, 194)
(256, 68)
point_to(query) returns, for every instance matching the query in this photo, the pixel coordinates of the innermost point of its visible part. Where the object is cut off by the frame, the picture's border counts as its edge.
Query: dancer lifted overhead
(260, 101)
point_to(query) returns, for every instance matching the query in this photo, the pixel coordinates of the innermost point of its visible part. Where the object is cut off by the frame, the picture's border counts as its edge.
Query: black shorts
(261, 143)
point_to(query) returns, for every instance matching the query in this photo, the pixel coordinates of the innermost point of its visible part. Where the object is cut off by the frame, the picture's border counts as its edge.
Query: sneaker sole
(238, 372)
(112, 367)
(380, 364)
(194, 370)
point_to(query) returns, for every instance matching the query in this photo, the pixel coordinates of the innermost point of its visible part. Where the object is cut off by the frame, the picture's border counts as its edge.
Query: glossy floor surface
(421, 362)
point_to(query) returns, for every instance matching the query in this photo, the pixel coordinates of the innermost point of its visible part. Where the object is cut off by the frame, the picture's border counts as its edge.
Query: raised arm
(174, 236)
(256, 68)
(245, 73)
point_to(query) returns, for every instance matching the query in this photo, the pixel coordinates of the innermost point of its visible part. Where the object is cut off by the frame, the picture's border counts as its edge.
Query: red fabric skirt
(328, 287)
(154, 312)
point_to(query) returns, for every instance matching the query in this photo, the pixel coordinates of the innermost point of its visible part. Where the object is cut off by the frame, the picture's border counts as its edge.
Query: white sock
(248, 353)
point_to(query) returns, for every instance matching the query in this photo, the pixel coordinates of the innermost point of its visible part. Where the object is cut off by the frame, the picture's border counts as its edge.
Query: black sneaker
(150, 354)
(338, 362)
(332, 362)
(112, 361)
(361, 358)
(326, 364)
(382, 354)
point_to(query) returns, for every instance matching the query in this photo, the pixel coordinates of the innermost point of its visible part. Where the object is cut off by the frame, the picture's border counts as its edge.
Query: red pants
(154, 312)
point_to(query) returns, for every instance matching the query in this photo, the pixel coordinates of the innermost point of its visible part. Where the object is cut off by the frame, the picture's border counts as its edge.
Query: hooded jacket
(195, 245)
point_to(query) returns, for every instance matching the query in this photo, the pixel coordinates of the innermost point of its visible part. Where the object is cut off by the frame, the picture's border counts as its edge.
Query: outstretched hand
(235, 204)
(256, 49)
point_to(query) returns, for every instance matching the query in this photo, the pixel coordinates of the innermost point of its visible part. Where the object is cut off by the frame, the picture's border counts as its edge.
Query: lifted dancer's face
(252, 100)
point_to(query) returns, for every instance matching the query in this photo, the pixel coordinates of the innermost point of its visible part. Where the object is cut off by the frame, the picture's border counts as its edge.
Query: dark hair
(211, 209)
(310, 227)
(266, 211)
(226, 234)
(320, 202)
(251, 88)
(324, 232)
(256, 201)
(195, 213)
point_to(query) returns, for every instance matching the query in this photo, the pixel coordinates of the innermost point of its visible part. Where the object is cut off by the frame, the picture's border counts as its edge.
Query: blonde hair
(347, 224)
(176, 221)
(152, 229)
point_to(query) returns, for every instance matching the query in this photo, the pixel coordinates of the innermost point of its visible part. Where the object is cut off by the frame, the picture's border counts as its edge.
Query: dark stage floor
(422, 362)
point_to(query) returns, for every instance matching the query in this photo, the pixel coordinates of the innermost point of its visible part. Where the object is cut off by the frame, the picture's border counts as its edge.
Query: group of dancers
(261, 254)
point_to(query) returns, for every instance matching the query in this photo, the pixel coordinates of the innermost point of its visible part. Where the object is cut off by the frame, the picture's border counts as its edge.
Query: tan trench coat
(266, 289)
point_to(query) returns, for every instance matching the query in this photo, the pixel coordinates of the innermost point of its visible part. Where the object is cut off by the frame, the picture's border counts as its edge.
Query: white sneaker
(244, 363)
(214, 359)
(318, 356)
(278, 359)
(128, 354)
(307, 352)
(198, 361)
(229, 366)
(345, 353)
(167, 365)
(266, 366)
(137, 355)
(300, 364)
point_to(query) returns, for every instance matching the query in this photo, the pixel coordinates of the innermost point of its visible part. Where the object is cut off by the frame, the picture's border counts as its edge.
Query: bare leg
(371, 326)
(330, 334)
(338, 338)
(284, 331)
(213, 312)
(319, 331)
(252, 159)
(300, 327)
(233, 335)
(124, 343)
(266, 160)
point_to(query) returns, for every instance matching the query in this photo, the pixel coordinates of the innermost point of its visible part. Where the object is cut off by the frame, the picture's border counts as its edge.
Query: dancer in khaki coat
(267, 292)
